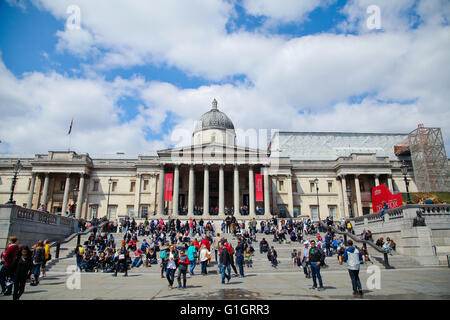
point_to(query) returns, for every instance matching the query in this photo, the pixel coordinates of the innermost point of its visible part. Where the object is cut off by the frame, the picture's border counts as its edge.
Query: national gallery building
(300, 174)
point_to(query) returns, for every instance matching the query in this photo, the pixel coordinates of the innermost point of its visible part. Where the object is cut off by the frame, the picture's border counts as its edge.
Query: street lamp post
(316, 182)
(17, 168)
(109, 192)
(75, 190)
(404, 168)
(349, 195)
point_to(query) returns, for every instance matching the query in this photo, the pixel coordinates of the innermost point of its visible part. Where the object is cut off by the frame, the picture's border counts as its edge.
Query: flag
(259, 187)
(168, 187)
(70, 129)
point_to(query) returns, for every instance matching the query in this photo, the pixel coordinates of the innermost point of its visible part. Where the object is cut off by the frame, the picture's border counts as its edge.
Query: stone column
(274, 195)
(176, 190)
(251, 191)
(45, 195)
(137, 194)
(206, 191)
(266, 192)
(344, 195)
(377, 180)
(390, 185)
(160, 211)
(30, 194)
(221, 191)
(191, 191)
(290, 196)
(80, 197)
(358, 196)
(66, 195)
(236, 189)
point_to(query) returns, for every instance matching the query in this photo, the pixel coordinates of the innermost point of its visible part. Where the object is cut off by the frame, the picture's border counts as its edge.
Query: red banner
(168, 187)
(259, 187)
(382, 193)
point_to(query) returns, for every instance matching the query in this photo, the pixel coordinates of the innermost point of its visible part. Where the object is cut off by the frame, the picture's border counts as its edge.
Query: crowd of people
(178, 247)
(22, 264)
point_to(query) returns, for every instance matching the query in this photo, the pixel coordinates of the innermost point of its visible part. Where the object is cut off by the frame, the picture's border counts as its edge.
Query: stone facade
(215, 173)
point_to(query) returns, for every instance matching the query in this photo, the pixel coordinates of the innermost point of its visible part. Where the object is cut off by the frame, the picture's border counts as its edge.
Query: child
(294, 257)
(248, 258)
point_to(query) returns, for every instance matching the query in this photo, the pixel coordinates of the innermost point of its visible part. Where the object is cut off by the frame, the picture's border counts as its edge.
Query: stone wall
(30, 226)
(417, 242)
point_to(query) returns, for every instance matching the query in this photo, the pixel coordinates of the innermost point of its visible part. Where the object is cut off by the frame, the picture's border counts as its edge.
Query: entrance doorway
(213, 204)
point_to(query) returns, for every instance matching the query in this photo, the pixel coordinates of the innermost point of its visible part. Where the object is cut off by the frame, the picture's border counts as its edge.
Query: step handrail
(346, 234)
(73, 235)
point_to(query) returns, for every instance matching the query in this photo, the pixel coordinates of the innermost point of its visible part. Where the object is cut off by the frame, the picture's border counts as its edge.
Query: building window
(132, 186)
(281, 186)
(112, 212)
(332, 211)
(130, 211)
(330, 186)
(114, 186)
(312, 187)
(361, 187)
(296, 212)
(62, 185)
(29, 184)
(145, 185)
(93, 211)
(95, 186)
(144, 212)
(314, 214)
(294, 186)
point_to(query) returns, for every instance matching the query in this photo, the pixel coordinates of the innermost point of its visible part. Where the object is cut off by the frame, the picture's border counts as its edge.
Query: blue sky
(136, 75)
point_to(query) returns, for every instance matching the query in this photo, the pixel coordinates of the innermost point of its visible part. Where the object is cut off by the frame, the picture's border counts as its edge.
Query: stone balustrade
(29, 226)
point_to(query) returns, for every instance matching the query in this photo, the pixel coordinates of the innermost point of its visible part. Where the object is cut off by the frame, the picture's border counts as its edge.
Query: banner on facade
(382, 193)
(168, 187)
(259, 187)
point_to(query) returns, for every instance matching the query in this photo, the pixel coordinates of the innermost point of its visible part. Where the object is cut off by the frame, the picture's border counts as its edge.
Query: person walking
(164, 250)
(305, 263)
(353, 257)
(38, 261)
(47, 257)
(192, 255)
(316, 259)
(22, 271)
(224, 263)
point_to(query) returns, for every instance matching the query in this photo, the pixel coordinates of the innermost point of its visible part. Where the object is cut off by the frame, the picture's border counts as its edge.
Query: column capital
(357, 175)
(206, 166)
(68, 174)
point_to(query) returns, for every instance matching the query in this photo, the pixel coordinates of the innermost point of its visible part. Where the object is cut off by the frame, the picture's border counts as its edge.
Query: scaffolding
(429, 160)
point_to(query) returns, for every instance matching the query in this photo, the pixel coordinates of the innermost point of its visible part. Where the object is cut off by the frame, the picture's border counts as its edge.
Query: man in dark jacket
(316, 258)
(224, 262)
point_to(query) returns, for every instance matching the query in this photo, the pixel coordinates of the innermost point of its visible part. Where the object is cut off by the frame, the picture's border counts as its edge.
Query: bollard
(78, 239)
(58, 245)
(345, 239)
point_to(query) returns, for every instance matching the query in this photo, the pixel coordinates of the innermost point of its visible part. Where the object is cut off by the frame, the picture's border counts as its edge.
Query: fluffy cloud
(386, 81)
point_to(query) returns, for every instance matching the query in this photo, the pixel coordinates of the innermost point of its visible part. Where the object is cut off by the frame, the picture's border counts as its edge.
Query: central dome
(214, 119)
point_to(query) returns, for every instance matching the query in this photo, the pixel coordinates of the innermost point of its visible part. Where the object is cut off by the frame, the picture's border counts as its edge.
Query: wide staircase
(261, 264)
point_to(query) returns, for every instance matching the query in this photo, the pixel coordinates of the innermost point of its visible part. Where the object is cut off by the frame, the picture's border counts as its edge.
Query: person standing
(304, 261)
(216, 241)
(205, 256)
(239, 252)
(8, 258)
(183, 262)
(316, 259)
(353, 257)
(22, 271)
(172, 260)
(122, 259)
(47, 257)
(224, 263)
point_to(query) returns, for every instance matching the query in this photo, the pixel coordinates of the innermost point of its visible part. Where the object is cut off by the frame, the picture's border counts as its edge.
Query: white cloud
(281, 10)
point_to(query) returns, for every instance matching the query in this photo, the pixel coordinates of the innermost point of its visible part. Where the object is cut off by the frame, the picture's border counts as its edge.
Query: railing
(356, 239)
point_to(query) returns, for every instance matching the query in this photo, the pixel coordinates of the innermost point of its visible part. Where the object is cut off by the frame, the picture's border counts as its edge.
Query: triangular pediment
(211, 151)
